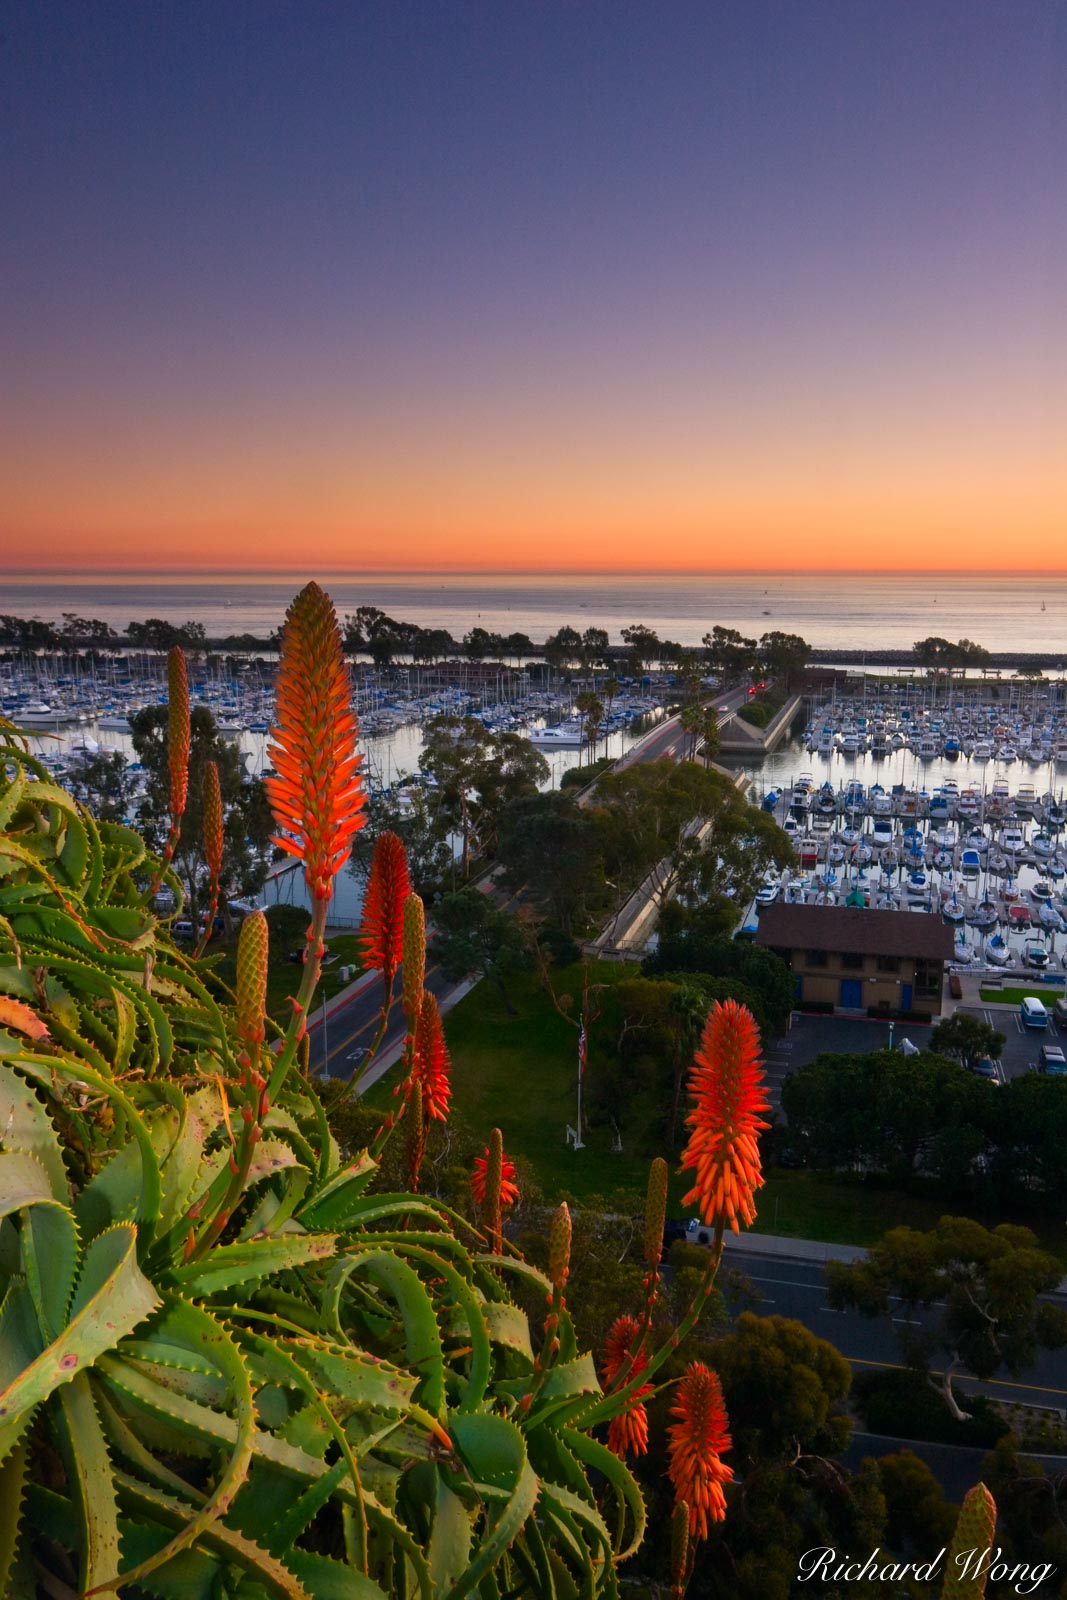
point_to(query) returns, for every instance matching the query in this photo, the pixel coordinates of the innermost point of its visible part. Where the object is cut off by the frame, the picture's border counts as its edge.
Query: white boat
(1050, 918)
(985, 914)
(564, 736)
(995, 950)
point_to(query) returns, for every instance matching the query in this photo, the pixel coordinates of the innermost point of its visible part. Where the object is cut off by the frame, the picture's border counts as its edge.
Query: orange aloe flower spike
(627, 1432)
(698, 1439)
(726, 1083)
(316, 791)
(388, 886)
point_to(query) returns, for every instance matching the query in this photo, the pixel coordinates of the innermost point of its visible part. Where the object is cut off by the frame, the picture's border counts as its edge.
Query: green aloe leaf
(622, 1481)
(92, 1484)
(450, 1539)
(495, 1455)
(26, 1125)
(209, 1336)
(256, 1258)
(218, 1537)
(112, 1297)
(12, 1487)
(332, 1206)
(422, 1336)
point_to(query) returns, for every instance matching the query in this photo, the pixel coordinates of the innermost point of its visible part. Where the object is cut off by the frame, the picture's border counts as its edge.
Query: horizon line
(264, 575)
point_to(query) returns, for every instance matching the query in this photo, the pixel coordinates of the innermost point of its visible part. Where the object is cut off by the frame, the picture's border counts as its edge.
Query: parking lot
(811, 1036)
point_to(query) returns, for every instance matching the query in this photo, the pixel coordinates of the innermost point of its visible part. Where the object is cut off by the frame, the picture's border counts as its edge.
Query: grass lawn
(1014, 997)
(520, 1073)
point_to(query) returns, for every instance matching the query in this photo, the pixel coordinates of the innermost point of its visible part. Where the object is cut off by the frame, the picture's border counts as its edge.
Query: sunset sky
(382, 284)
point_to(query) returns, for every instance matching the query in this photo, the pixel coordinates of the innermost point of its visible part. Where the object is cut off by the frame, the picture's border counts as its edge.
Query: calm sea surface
(868, 612)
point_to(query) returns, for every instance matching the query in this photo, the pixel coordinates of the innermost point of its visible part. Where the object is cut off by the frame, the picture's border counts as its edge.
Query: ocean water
(833, 611)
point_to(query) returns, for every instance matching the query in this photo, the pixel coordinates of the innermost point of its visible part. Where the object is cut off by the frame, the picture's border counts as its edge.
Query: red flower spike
(723, 1149)
(316, 791)
(432, 1064)
(509, 1189)
(697, 1442)
(388, 886)
(628, 1432)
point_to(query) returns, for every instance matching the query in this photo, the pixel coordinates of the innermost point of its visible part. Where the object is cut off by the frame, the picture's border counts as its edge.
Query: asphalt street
(788, 1288)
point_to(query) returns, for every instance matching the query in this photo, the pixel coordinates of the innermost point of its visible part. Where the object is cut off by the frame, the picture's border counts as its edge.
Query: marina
(937, 798)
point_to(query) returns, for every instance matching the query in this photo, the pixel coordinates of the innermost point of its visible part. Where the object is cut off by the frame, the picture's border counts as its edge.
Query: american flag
(581, 1049)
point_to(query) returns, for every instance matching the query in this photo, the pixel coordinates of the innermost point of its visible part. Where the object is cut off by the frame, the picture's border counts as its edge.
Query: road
(789, 1288)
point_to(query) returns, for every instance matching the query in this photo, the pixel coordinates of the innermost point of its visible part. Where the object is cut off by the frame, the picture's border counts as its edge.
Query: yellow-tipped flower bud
(655, 1211)
(679, 1546)
(416, 1133)
(213, 831)
(414, 946)
(252, 947)
(559, 1247)
(974, 1531)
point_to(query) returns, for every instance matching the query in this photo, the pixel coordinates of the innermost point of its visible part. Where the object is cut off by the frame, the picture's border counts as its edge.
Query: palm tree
(591, 708)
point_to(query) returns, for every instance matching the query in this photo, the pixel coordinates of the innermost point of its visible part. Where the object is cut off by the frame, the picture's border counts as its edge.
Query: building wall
(822, 973)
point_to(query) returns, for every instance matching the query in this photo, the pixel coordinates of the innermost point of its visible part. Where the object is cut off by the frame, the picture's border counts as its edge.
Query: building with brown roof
(856, 960)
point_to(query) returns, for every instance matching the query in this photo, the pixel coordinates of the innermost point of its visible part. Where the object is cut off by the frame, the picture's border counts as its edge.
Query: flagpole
(578, 1144)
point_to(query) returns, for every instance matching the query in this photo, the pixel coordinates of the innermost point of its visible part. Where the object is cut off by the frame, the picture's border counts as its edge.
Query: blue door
(852, 993)
(798, 987)
(905, 997)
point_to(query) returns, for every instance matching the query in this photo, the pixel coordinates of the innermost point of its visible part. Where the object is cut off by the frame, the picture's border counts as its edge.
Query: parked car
(1032, 1013)
(1059, 1010)
(985, 1068)
(1052, 1060)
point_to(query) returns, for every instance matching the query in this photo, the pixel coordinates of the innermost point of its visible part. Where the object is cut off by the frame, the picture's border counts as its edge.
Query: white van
(1033, 1013)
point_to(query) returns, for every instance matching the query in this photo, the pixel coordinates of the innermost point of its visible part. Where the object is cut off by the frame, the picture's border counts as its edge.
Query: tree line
(923, 1118)
(725, 652)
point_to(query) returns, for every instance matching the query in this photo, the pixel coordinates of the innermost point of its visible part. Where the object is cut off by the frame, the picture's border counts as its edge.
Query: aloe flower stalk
(316, 791)
(179, 731)
(382, 929)
(974, 1531)
(699, 1438)
(413, 950)
(415, 1126)
(679, 1550)
(213, 844)
(655, 1213)
(628, 1431)
(382, 935)
(723, 1148)
(493, 1186)
(432, 1065)
(179, 744)
(252, 955)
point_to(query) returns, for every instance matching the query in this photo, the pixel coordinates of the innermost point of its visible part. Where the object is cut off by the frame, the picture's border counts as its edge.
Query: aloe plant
(228, 1365)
